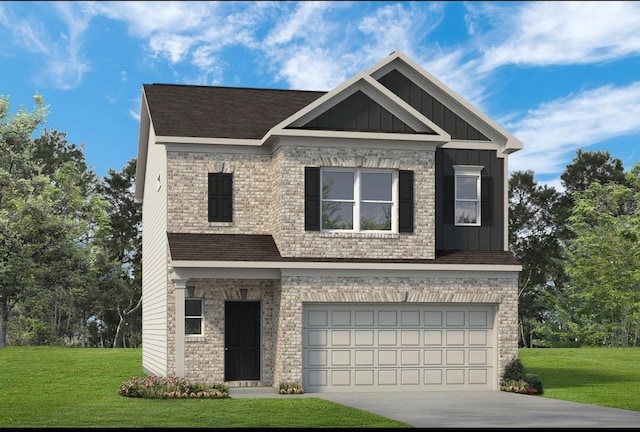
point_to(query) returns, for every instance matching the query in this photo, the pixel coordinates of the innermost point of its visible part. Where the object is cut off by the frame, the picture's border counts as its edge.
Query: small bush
(516, 380)
(291, 388)
(155, 387)
(517, 386)
(514, 370)
(534, 381)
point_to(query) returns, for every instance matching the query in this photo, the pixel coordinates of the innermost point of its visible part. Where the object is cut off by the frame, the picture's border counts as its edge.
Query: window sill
(189, 338)
(360, 235)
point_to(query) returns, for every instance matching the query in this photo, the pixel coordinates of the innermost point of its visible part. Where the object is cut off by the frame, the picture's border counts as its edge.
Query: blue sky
(558, 75)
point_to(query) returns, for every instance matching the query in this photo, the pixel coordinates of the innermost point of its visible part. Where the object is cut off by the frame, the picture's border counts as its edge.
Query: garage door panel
(351, 347)
(478, 318)
(364, 337)
(341, 358)
(410, 337)
(340, 377)
(478, 376)
(317, 337)
(409, 357)
(341, 318)
(364, 318)
(410, 318)
(341, 337)
(454, 337)
(364, 358)
(387, 338)
(387, 318)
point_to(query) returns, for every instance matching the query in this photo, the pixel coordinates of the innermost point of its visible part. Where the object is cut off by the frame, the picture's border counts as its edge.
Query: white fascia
(274, 269)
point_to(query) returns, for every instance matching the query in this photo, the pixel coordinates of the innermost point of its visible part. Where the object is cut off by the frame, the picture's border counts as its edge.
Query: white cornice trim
(217, 148)
(183, 271)
(367, 266)
(360, 135)
(208, 141)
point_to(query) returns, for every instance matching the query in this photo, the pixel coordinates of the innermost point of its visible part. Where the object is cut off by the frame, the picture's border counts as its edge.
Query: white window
(193, 316)
(467, 195)
(358, 200)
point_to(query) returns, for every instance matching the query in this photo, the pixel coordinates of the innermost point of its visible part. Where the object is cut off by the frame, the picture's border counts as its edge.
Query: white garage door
(395, 347)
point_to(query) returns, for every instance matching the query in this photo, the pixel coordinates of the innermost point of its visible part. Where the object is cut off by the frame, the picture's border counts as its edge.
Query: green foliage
(534, 380)
(514, 370)
(516, 380)
(603, 262)
(291, 388)
(155, 387)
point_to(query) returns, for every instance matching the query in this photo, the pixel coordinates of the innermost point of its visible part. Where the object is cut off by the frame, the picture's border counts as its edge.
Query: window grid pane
(193, 316)
(356, 200)
(467, 197)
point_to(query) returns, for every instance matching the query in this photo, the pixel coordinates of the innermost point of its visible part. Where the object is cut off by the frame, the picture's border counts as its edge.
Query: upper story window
(467, 195)
(358, 200)
(193, 316)
(220, 197)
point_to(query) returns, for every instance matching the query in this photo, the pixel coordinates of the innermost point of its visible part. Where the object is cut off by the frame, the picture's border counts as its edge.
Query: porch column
(181, 286)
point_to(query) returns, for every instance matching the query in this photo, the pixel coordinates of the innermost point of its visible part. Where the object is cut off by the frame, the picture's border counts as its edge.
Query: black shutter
(312, 199)
(220, 197)
(405, 201)
(449, 199)
(486, 194)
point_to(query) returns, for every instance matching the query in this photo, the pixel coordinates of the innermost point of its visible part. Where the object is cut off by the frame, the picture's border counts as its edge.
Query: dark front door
(241, 341)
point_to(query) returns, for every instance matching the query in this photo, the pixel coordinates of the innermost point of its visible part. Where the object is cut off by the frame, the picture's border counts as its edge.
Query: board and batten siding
(154, 263)
(488, 236)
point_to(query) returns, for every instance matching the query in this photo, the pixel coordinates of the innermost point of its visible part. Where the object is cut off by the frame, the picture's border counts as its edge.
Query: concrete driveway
(490, 409)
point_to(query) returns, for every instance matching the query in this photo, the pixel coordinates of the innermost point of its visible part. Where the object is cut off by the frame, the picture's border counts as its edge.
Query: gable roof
(256, 117)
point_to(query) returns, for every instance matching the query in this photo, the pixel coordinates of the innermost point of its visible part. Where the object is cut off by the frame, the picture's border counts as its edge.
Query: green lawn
(597, 376)
(73, 387)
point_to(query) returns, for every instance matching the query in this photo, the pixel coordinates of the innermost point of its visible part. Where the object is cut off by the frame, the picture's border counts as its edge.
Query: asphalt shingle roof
(221, 112)
(250, 247)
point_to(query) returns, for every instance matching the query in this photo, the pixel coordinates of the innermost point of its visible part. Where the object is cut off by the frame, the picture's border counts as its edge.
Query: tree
(603, 261)
(48, 213)
(533, 241)
(121, 253)
(587, 167)
(19, 202)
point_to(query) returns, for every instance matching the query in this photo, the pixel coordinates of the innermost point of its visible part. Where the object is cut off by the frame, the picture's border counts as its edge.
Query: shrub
(516, 380)
(514, 370)
(534, 381)
(517, 386)
(155, 387)
(291, 388)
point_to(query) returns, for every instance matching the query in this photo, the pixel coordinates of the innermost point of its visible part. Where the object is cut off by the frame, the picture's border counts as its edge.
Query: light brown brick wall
(282, 302)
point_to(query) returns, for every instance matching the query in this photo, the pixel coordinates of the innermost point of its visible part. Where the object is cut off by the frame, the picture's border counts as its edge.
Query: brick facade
(281, 308)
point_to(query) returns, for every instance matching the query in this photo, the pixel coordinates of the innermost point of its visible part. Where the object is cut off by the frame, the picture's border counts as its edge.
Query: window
(357, 200)
(467, 195)
(193, 316)
(220, 197)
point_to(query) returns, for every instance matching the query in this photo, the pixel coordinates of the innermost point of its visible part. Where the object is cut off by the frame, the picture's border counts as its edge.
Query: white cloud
(553, 132)
(145, 19)
(545, 33)
(172, 47)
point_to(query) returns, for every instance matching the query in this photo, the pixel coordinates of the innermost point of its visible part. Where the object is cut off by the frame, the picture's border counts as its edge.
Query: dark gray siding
(360, 113)
(488, 236)
(431, 108)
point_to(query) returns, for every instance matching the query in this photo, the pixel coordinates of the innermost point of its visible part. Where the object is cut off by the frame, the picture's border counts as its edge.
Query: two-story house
(350, 240)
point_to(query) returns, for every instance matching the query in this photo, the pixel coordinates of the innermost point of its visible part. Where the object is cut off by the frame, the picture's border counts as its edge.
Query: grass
(75, 387)
(597, 376)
